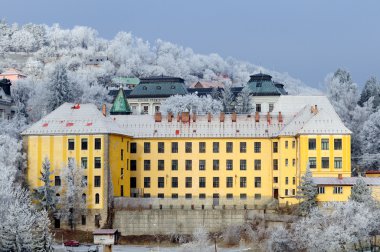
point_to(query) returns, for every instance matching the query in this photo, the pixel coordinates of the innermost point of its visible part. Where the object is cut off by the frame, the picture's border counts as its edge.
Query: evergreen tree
(46, 193)
(60, 87)
(42, 238)
(371, 89)
(244, 101)
(227, 99)
(361, 192)
(307, 193)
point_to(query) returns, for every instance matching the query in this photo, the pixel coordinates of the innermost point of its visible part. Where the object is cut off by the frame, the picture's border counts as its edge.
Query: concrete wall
(184, 221)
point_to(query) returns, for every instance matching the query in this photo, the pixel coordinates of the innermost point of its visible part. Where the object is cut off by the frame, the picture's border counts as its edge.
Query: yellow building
(194, 159)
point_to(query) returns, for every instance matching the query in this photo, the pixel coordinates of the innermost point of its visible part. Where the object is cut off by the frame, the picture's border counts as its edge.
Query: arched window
(97, 198)
(84, 198)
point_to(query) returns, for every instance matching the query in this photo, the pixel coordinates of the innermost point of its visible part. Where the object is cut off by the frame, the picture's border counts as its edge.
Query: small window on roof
(172, 87)
(258, 84)
(158, 87)
(144, 88)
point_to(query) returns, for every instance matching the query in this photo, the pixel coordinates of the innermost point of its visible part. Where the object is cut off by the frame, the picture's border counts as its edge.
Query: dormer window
(144, 88)
(258, 84)
(172, 87)
(158, 87)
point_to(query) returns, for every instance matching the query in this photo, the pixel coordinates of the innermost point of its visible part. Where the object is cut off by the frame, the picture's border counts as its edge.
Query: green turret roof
(120, 105)
(262, 85)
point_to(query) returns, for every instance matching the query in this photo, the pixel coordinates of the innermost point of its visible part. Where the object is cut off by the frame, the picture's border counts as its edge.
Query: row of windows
(84, 144)
(97, 181)
(325, 142)
(336, 190)
(325, 161)
(230, 196)
(84, 162)
(201, 182)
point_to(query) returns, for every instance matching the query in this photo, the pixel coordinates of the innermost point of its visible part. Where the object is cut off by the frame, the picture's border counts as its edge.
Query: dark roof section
(5, 84)
(262, 85)
(114, 92)
(159, 86)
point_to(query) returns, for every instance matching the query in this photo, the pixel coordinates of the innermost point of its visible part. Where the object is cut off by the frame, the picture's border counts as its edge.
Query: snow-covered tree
(361, 193)
(201, 241)
(244, 101)
(371, 89)
(369, 137)
(227, 99)
(307, 193)
(71, 205)
(42, 237)
(280, 240)
(46, 193)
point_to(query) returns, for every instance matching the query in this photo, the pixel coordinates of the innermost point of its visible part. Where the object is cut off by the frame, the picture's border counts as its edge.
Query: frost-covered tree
(227, 99)
(46, 193)
(360, 192)
(280, 240)
(369, 137)
(371, 89)
(201, 241)
(244, 101)
(307, 193)
(72, 205)
(42, 237)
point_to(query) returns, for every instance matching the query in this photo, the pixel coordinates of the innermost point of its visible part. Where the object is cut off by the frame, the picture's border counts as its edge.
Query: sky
(307, 39)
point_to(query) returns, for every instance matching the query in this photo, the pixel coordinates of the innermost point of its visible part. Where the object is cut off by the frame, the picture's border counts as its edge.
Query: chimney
(234, 117)
(185, 117)
(157, 117)
(194, 117)
(280, 119)
(178, 117)
(209, 117)
(170, 117)
(340, 176)
(268, 117)
(221, 117)
(312, 109)
(257, 117)
(316, 108)
(104, 110)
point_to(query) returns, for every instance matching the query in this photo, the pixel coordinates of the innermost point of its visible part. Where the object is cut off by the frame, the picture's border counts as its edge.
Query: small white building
(105, 236)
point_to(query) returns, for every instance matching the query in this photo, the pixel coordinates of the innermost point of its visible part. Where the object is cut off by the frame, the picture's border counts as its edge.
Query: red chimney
(268, 117)
(257, 117)
(280, 120)
(104, 109)
(340, 176)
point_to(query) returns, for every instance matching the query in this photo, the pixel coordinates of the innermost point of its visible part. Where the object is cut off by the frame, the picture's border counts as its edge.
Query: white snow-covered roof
(12, 71)
(72, 118)
(295, 111)
(347, 181)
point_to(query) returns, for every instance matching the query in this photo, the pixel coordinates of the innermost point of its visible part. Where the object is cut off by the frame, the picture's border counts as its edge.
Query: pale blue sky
(307, 39)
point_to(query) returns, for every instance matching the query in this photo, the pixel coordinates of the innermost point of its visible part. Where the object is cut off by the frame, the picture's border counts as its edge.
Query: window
(325, 162)
(57, 181)
(161, 182)
(271, 106)
(321, 190)
(215, 164)
(122, 191)
(174, 195)
(312, 144)
(84, 180)
(83, 162)
(293, 144)
(161, 147)
(174, 165)
(229, 182)
(257, 147)
(202, 196)
(146, 195)
(312, 162)
(174, 147)
(97, 198)
(286, 144)
(294, 180)
(189, 182)
(275, 180)
(229, 147)
(146, 165)
(215, 182)
(146, 147)
(294, 162)
(98, 162)
(338, 189)
(293, 191)
(174, 182)
(147, 182)
(188, 196)
(257, 196)
(83, 220)
(133, 165)
(133, 182)
(337, 144)
(286, 180)
(325, 144)
(158, 87)
(286, 162)
(258, 107)
(202, 182)
(275, 147)
(338, 163)
(202, 165)
(243, 182)
(133, 147)
(243, 165)
(229, 164)
(189, 165)
(122, 139)
(275, 164)
(160, 195)
(70, 144)
(243, 196)
(97, 182)
(286, 192)
(257, 164)
(98, 144)
(243, 147)
(229, 196)
(84, 144)
(161, 165)
(121, 172)
(202, 147)
(257, 182)
(188, 147)
(215, 147)
(121, 154)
